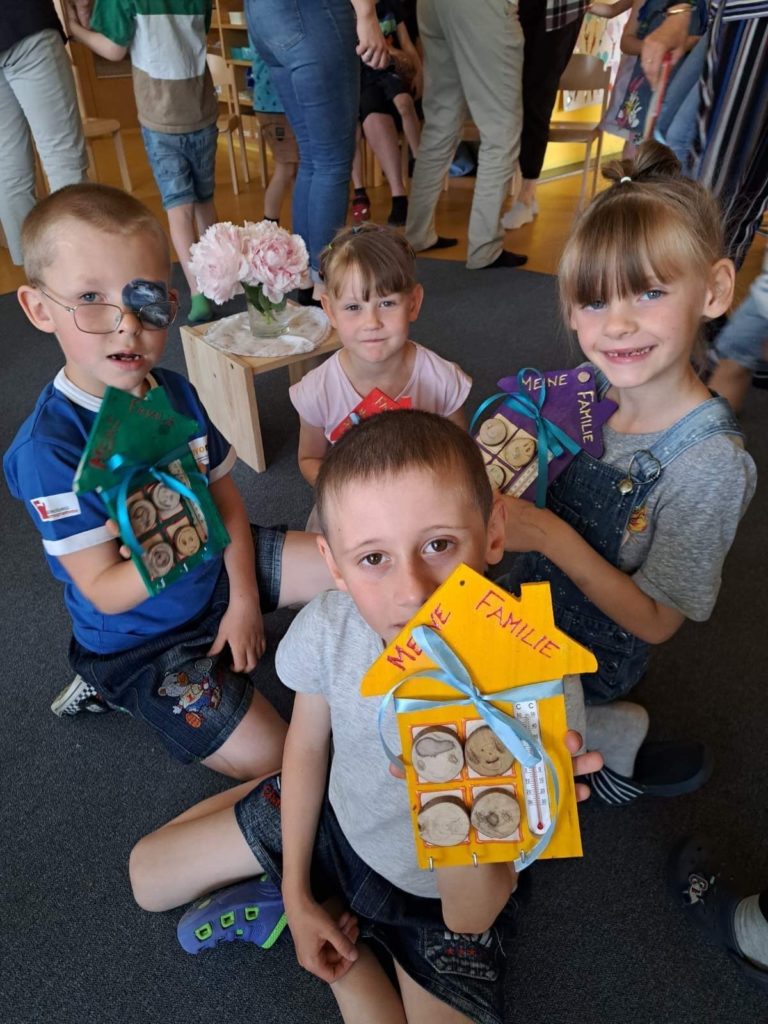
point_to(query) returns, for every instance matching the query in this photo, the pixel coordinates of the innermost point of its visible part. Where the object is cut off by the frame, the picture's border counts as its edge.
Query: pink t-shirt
(325, 396)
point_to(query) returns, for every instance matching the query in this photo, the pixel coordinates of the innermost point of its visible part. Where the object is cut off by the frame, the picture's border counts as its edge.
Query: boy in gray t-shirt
(393, 532)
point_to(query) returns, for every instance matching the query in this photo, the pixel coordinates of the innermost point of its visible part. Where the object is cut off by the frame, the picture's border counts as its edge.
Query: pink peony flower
(276, 259)
(258, 254)
(218, 262)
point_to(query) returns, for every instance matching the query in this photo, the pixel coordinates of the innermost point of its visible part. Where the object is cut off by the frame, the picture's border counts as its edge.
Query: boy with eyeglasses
(98, 267)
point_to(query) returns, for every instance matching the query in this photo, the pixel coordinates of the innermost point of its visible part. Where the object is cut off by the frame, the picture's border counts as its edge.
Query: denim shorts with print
(184, 165)
(464, 971)
(192, 701)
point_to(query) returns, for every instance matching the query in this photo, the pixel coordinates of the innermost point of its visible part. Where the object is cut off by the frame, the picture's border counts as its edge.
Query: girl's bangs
(617, 257)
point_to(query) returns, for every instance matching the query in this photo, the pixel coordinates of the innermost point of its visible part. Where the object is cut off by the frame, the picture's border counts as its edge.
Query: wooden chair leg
(243, 154)
(597, 162)
(232, 166)
(92, 173)
(584, 173)
(121, 161)
(262, 156)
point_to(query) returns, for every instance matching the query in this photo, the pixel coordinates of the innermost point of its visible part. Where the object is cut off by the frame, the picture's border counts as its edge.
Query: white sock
(617, 730)
(751, 930)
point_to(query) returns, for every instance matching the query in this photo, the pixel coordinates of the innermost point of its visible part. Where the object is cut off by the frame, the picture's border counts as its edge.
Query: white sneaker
(518, 214)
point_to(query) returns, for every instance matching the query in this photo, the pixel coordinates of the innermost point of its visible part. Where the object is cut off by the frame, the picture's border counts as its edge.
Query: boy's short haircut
(99, 206)
(403, 439)
(384, 259)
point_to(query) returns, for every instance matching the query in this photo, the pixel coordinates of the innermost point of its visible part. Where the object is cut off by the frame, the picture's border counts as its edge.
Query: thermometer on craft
(534, 779)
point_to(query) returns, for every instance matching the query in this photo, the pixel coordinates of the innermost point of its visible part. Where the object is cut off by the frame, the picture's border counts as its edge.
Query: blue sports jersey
(40, 467)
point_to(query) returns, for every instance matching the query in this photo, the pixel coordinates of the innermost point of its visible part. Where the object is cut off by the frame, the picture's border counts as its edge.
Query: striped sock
(612, 788)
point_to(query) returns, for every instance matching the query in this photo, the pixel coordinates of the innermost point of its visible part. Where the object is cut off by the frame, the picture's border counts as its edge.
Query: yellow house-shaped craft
(472, 670)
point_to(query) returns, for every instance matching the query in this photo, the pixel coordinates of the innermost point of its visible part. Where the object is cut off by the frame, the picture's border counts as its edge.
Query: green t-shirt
(167, 40)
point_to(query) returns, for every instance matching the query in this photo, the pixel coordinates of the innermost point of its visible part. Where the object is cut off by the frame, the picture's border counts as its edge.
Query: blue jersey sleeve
(41, 475)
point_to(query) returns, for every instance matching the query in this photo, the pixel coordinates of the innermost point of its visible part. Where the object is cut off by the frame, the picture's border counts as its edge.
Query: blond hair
(100, 206)
(383, 258)
(396, 441)
(652, 223)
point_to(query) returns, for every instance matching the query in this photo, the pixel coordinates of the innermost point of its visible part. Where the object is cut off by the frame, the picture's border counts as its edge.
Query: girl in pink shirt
(372, 298)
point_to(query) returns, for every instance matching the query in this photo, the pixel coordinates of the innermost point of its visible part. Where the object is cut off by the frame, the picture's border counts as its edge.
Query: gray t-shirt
(327, 651)
(674, 549)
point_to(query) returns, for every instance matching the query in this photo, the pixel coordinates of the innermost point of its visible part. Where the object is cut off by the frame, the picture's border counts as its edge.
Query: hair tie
(625, 178)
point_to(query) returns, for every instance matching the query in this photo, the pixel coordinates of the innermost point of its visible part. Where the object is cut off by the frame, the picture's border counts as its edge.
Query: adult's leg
(45, 88)
(310, 50)
(546, 55)
(17, 168)
(487, 45)
(444, 113)
(200, 850)
(37, 94)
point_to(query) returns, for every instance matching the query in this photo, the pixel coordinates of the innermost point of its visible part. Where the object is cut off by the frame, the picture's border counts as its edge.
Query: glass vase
(269, 323)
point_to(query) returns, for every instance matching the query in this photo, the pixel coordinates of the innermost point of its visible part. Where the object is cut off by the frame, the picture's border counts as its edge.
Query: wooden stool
(224, 382)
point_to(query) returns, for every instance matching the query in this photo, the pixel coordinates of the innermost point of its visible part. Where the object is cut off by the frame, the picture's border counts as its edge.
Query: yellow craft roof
(502, 640)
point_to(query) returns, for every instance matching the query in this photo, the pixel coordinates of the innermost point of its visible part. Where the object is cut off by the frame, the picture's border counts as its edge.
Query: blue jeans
(309, 46)
(745, 336)
(193, 701)
(184, 164)
(676, 125)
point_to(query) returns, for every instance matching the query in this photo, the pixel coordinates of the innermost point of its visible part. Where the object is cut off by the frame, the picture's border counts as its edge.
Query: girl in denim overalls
(633, 543)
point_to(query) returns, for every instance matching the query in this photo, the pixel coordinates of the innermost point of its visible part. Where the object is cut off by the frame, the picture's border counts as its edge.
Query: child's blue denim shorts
(464, 971)
(184, 165)
(192, 701)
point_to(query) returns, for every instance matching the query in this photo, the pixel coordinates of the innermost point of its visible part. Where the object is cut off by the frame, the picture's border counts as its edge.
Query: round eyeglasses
(104, 318)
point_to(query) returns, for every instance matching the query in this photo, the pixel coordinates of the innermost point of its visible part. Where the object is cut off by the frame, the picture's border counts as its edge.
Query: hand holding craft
(527, 527)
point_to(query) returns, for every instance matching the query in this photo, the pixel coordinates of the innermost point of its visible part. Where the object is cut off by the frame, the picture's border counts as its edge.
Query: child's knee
(143, 885)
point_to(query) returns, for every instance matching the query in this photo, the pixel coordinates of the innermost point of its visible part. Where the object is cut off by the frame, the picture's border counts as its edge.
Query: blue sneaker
(250, 911)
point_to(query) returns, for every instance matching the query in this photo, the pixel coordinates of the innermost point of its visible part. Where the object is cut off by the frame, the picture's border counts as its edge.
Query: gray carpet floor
(601, 939)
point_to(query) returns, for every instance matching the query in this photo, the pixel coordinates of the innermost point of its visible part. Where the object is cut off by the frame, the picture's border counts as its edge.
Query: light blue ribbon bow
(549, 437)
(128, 470)
(515, 737)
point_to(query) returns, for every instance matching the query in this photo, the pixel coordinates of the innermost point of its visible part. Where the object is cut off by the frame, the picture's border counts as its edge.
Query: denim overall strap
(598, 500)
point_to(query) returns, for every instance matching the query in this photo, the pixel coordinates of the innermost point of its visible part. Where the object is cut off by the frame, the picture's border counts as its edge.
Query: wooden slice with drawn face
(165, 499)
(496, 814)
(159, 559)
(444, 821)
(496, 475)
(493, 432)
(142, 515)
(486, 754)
(186, 541)
(437, 754)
